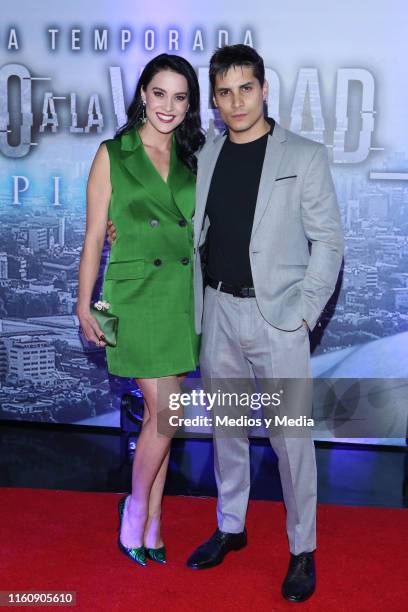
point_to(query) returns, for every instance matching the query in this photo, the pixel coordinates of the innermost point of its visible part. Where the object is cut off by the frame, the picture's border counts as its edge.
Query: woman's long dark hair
(189, 135)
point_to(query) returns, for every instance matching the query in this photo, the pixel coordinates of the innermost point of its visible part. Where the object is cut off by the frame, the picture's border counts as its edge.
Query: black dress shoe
(213, 551)
(300, 581)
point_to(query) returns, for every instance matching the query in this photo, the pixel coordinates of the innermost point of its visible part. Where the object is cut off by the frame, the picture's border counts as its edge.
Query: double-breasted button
(157, 262)
(182, 223)
(184, 261)
(154, 222)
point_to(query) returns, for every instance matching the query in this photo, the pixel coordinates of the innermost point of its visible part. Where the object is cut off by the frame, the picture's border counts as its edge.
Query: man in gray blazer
(268, 220)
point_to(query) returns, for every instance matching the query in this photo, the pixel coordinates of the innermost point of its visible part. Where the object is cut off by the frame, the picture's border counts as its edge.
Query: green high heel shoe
(157, 554)
(135, 554)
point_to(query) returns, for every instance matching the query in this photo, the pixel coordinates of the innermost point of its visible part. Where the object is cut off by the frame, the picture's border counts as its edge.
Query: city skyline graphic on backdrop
(48, 373)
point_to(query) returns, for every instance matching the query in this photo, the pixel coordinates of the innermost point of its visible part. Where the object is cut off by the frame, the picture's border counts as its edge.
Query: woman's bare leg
(152, 535)
(149, 467)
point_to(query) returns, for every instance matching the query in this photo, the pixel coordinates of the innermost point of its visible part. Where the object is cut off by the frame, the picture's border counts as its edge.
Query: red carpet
(62, 540)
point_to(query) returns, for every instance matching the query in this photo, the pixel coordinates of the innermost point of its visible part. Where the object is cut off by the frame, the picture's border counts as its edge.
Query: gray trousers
(238, 343)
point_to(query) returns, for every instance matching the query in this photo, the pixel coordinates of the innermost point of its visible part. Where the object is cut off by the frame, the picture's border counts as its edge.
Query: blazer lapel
(137, 163)
(180, 178)
(207, 160)
(273, 155)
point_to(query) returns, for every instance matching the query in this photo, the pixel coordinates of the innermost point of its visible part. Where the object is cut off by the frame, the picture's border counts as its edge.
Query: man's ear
(214, 102)
(265, 89)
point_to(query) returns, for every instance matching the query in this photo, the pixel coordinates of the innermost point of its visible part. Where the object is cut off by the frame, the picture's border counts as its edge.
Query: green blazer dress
(149, 278)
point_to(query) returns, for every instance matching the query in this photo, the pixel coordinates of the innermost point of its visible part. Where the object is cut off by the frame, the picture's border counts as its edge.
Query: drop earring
(144, 118)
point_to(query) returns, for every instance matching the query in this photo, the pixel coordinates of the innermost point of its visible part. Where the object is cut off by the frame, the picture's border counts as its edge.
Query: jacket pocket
(285, 181)
(123, 270)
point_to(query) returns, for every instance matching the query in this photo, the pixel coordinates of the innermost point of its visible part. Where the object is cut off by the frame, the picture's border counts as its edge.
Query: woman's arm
(98, 195)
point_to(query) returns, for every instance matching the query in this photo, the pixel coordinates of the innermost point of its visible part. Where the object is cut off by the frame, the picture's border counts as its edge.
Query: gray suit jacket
(296, 245)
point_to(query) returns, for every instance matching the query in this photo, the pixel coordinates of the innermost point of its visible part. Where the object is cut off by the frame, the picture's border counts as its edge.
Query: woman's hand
(90, 327)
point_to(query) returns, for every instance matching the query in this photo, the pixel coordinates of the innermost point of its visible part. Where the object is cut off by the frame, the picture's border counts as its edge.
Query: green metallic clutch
(107, 321)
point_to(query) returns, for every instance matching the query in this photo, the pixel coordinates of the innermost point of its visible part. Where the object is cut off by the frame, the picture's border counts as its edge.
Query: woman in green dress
(143, 180)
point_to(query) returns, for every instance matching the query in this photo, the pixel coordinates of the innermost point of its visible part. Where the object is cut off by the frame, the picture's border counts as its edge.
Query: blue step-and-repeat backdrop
(336, 74)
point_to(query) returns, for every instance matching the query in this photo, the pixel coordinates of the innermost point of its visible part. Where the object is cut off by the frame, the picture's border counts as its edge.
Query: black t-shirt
(230, 207)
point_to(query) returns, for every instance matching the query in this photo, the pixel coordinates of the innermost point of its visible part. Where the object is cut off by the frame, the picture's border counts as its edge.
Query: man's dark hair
(226, 57)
